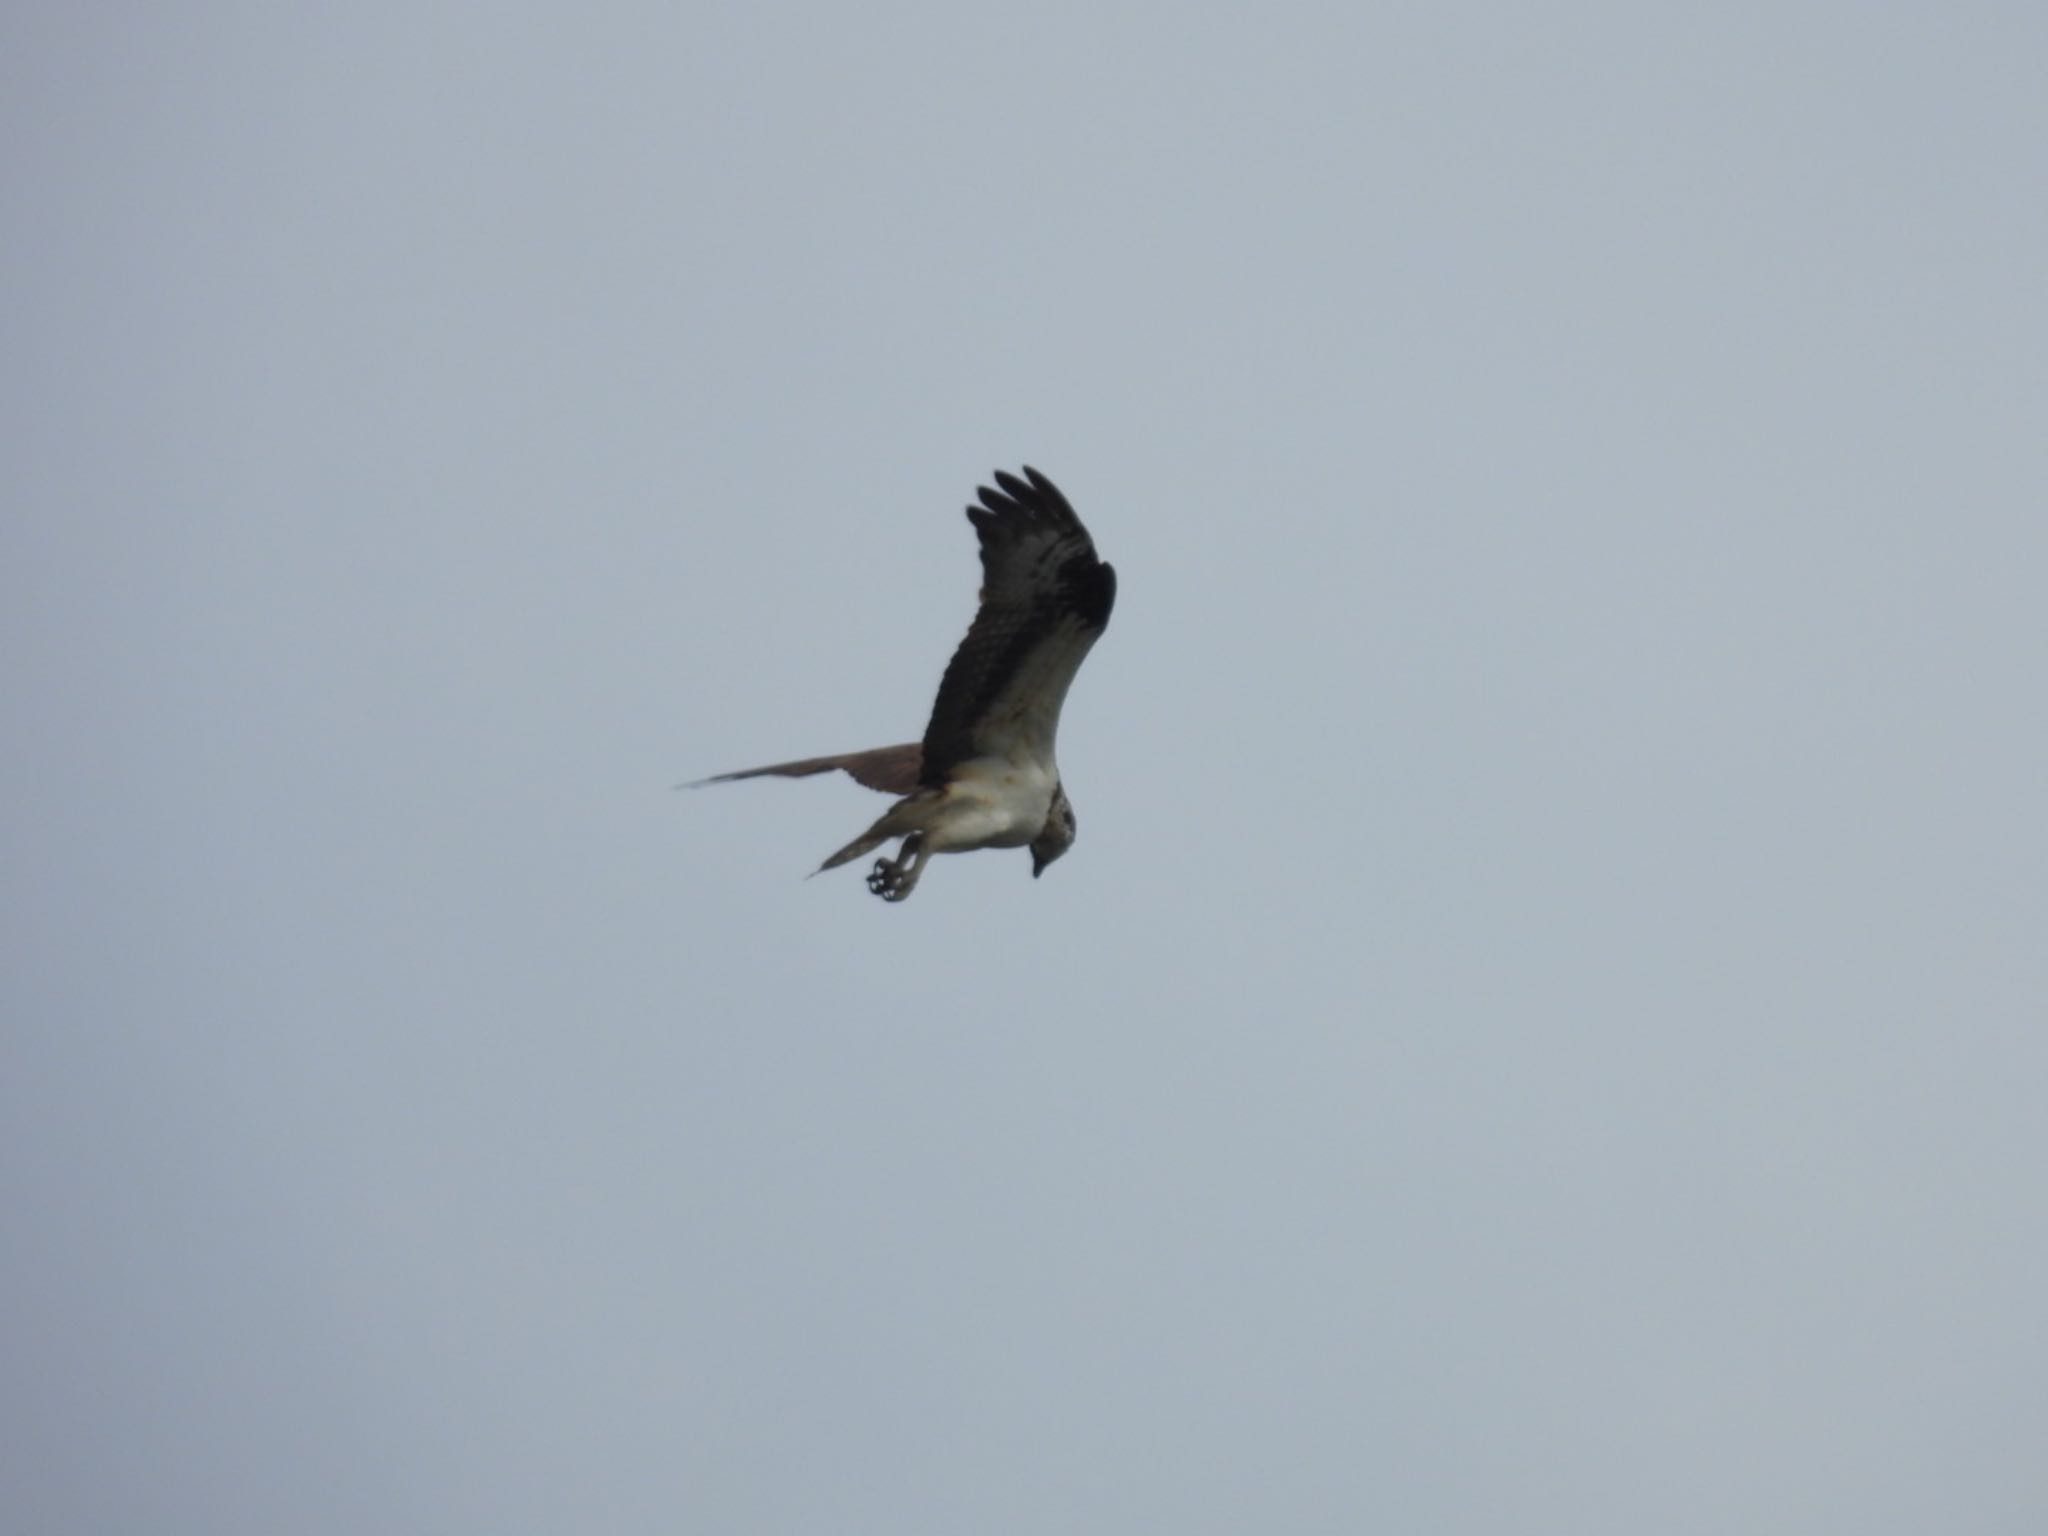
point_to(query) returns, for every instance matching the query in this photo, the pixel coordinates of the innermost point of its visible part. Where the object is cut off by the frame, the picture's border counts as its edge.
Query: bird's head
(1057, 835)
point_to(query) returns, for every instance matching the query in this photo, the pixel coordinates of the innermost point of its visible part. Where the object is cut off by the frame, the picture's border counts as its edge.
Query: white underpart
(991, 803)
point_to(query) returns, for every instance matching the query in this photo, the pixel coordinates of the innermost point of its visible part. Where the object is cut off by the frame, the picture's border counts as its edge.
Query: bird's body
(985, 774)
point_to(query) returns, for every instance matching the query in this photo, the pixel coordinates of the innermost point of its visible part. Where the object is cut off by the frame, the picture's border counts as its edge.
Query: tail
(867, 842)
(900, 820)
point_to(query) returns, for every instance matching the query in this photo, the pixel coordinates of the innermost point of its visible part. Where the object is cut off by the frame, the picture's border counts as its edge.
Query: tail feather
(867, 842)
(900, 820)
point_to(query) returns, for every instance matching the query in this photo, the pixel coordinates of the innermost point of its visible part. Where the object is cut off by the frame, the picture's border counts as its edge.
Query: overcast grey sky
(1545, 1027)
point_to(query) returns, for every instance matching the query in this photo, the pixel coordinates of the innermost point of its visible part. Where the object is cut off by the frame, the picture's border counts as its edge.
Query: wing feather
(1045, 600)
(892, 770)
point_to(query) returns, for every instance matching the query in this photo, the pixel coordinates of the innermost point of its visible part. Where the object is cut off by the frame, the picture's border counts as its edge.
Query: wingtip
(1032, 497)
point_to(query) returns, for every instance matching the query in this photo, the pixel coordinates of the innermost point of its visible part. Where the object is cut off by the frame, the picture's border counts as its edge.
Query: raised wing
(1045, 600)
(892, 770)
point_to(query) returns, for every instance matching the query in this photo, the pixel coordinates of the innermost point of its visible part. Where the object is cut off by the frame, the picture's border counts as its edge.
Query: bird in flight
(984, 776)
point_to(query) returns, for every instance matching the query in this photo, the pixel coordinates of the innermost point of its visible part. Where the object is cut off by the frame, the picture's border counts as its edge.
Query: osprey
(984, 775)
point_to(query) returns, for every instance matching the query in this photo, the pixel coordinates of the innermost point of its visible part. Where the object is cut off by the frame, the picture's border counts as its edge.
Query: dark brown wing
(892, 770)
(1045, 599)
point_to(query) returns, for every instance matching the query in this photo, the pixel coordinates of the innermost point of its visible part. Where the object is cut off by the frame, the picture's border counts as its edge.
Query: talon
(895, 879)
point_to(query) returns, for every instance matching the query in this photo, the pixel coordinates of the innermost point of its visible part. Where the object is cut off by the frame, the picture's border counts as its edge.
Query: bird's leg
(894, 879)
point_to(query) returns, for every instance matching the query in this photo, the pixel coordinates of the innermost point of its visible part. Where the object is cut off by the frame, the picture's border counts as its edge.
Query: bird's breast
(993, 803)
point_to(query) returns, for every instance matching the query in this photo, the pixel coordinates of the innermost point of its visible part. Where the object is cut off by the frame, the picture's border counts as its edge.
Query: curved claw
(895, 879)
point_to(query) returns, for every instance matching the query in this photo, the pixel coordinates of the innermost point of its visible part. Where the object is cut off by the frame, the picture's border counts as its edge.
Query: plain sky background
(1545, 1028)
